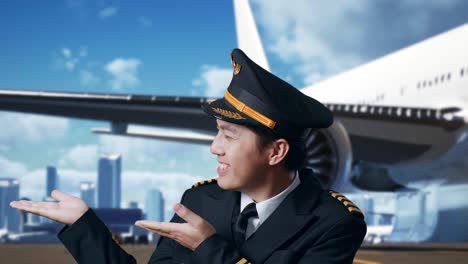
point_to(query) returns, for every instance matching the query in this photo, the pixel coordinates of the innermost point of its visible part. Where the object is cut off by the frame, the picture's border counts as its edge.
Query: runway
(412, 253)
(382, 254)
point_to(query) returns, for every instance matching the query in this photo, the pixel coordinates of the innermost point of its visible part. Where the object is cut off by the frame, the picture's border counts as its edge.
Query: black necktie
(241, 223)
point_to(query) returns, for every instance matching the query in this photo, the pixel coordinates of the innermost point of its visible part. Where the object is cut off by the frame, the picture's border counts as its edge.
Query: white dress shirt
(265, 208)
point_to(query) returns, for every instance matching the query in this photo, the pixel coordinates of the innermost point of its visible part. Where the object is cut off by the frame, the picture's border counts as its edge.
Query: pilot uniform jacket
(311, 225)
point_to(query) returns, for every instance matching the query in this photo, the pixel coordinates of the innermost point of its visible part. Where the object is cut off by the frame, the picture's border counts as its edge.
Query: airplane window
(429, 83)
(418, 85)
(448, 76)
(424, 84)
(436, 80)
(462, 71)
(442, 78)
(408, 112)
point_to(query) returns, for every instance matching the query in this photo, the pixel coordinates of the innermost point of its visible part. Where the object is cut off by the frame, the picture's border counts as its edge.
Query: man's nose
(216, 147)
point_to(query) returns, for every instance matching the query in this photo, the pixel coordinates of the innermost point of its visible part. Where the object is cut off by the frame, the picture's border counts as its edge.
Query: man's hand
(189, 235)
(67, 210)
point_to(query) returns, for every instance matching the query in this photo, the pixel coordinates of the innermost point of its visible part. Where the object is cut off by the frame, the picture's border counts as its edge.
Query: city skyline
(10, 189)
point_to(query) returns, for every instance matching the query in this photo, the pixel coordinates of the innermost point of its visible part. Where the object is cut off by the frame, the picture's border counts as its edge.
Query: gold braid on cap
(249, 111)
(227, 113)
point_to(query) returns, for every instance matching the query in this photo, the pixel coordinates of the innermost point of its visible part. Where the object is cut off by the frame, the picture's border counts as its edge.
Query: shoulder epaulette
(205, 182)
(352, 208)
(243, 261)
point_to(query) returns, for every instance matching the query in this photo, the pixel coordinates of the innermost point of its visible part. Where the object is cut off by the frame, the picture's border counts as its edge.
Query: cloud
(136, 183)
(32, 128)
(139, 151)
(145, 21)
(213, 79)
(11, 169)
(80, 157)
(301, 34)
(66, 52)
(64, 59)
(30, 186)
(124, 73)
(33, 183)
(157, 155)
(4, 148)
(318, 39)
(108, 12)
(88, 79)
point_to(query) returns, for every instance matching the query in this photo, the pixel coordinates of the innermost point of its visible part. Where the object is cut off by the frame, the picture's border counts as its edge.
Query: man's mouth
(222, 169)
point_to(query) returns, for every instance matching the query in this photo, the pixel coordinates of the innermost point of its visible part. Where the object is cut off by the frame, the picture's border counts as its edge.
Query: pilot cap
(256, 97)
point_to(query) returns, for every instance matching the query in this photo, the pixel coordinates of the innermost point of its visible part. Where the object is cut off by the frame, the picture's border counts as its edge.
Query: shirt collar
(267, 207)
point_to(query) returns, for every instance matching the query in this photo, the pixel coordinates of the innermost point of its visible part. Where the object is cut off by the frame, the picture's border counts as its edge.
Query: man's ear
(278, 151)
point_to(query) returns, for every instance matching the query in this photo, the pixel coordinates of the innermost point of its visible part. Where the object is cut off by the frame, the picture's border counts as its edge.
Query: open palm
(66, 210)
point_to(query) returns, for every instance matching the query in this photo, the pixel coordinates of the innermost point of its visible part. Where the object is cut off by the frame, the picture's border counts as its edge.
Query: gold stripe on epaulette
(346, 202)
(200, 183)
(343, 199)
(354, 209)
(242, 261)
(335, 194)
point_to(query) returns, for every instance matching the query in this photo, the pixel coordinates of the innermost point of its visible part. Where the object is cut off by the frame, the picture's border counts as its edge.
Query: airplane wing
(182, 113)
(364, 123)
(394, 134)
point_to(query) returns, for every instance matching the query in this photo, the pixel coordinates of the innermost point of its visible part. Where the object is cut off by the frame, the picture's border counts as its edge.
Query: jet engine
(329, 155)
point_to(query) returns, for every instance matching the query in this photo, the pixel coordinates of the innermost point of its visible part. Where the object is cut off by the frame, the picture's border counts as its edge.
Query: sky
(173, 48)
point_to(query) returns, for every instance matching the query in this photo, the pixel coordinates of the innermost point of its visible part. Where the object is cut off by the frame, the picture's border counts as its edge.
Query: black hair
(295, 158)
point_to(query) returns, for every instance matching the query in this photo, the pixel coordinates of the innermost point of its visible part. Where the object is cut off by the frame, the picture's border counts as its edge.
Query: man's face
(240, 162)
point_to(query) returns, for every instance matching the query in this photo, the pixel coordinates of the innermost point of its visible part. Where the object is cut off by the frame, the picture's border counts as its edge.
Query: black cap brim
(220, 109)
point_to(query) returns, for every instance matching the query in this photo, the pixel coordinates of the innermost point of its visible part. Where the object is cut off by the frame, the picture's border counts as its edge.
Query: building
(133, 205)
(52, 180)
(10, 218)
(154, 205)
(108, 184)
(88, 193)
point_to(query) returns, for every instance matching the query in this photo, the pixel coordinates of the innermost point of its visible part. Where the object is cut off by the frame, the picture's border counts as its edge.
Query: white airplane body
(408, 107)
(429, 74)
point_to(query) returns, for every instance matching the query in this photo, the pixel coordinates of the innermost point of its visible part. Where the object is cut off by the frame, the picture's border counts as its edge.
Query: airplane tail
(248, 38)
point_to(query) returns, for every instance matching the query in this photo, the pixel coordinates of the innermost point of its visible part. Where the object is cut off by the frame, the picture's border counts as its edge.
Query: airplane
(380, 120)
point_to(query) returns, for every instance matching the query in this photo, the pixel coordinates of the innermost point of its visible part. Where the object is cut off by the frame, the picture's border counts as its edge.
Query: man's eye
(227, 137)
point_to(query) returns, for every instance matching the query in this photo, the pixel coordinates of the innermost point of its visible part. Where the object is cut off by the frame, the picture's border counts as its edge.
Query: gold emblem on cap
(227, 113)
(236, 66)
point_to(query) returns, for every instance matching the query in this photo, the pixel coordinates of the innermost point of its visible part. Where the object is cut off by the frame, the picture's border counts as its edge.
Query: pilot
(263, 207)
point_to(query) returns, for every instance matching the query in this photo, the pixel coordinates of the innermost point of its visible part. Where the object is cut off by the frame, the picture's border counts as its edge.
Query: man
(263, 208)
